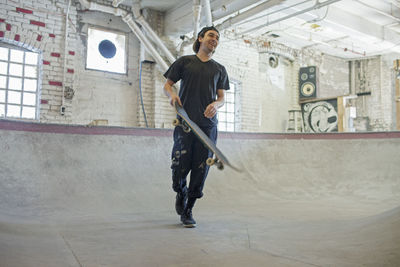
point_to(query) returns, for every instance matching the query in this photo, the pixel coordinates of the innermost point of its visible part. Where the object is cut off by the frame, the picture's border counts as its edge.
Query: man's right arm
(170, 92)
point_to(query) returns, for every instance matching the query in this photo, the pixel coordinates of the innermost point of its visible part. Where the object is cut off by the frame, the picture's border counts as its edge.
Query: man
(203, 82)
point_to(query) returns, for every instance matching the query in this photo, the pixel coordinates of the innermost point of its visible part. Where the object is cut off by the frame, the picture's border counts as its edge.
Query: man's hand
(174, 98)
(169, 91)
(211, 110)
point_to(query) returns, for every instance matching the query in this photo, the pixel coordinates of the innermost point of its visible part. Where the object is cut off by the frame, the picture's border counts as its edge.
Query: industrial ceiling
(342, 28)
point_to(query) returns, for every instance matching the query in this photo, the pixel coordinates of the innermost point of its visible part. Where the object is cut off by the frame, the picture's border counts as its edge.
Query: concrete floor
(76, 196)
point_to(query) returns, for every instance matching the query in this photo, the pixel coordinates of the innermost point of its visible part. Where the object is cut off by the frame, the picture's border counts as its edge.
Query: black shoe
(187, 219)
(180, 203)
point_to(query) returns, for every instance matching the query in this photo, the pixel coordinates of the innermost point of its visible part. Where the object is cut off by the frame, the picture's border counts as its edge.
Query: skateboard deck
(188, 125)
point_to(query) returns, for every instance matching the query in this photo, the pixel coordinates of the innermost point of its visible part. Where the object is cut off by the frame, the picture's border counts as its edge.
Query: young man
(203, 82)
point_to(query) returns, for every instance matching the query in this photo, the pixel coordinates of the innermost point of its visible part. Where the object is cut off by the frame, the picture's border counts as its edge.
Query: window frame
(223, 124)
(13, 45)
(126, 56)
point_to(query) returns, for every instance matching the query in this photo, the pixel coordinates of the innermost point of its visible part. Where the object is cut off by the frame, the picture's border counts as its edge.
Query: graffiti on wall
(320, 117)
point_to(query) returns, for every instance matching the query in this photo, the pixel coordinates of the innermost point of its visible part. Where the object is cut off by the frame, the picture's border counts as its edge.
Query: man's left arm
(212, 109)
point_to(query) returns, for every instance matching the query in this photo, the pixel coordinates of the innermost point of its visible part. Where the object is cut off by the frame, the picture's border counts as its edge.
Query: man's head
(208, 36)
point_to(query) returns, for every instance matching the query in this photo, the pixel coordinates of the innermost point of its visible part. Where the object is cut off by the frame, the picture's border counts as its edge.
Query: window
(226, 114)
(19, 72)
(106, 51)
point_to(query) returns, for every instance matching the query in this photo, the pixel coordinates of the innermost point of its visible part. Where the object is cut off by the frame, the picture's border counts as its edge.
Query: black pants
(190, 155)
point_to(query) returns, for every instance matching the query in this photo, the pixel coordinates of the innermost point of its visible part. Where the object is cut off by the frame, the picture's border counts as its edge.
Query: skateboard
(188, 125)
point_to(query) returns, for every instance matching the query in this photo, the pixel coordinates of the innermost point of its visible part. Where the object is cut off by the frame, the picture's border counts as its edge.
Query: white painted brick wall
(164, 112)
(20, 23)
(241, 62)
(98, 95)
(387, 94)
(375, 76)
(159, 113)
(148, 94)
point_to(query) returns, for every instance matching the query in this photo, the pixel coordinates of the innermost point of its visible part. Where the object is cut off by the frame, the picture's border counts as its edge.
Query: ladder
(295, 122)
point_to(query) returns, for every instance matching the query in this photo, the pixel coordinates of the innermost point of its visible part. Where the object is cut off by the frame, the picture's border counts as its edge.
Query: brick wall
(103, 95)
(375, 76)
(148, 96)
(40, 26)
(156, 103)
(98, 95)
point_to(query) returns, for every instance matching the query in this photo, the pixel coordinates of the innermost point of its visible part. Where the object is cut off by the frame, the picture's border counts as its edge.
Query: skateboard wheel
(185, 127)
(175, 122)
(220, 166)
(210, 161)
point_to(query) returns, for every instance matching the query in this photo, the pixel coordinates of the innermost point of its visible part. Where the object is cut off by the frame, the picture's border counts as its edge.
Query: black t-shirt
(199, 84)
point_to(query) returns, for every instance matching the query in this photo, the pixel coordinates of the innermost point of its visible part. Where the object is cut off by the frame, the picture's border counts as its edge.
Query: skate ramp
(76, 196)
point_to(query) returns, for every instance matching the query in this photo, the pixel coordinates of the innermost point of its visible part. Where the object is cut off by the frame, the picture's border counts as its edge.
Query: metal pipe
(271, 13)
(249, 13)
(136, 7)
(153, 35)
(393, 2)
(107, 9)
(352, 85)
(207, 10)
(128, 19)
(156, 39)
(62, 109)
(326, 43)
(316, 6)
(323, 42)
(85, 3)
(116, 3)
(196, 17)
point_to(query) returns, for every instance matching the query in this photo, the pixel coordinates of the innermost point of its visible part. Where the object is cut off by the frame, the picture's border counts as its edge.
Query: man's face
(209, 41)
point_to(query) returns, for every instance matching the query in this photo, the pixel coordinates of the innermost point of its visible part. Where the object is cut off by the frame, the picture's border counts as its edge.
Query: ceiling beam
(297, 13)
(357, 24)
(379, 11)
(248, 13)
(179, 20)
(354, 26)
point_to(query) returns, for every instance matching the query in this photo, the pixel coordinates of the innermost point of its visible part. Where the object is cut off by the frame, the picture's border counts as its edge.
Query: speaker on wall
(308, 82)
